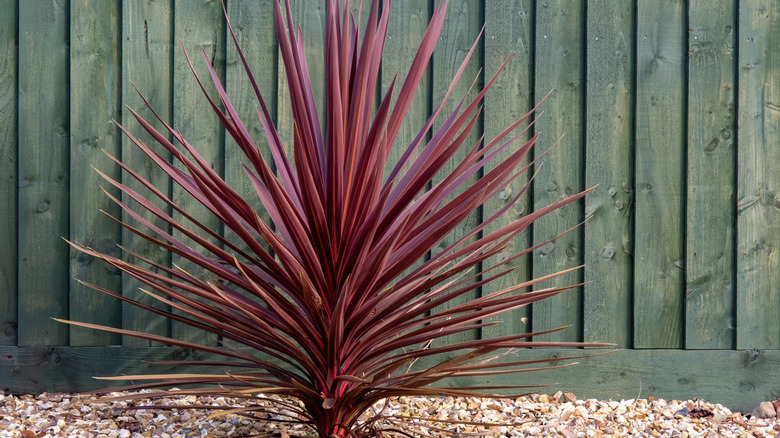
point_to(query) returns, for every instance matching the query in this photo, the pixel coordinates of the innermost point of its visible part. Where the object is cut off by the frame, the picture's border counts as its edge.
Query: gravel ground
(68, 415)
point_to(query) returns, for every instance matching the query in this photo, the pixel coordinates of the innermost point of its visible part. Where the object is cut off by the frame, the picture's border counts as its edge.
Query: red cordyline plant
(326, 300)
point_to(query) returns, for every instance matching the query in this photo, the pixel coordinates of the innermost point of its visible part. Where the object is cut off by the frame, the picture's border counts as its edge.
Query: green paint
(509, 29)
(624, 374)
(758, 182)
(659, 246)
(659, 162)
(200, 27)
(43, 173)
(458, 34)
(559, 33)
(311, 17)
(406, 27)
(710, 282)
(94, 103)
(147, 55)
(609, 163)
(8, 175)
(254, 27)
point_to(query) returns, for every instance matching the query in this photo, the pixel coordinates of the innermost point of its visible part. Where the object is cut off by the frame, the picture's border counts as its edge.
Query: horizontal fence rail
(670, 108)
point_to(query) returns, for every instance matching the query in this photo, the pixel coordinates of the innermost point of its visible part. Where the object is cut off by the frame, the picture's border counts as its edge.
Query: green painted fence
(671, 107)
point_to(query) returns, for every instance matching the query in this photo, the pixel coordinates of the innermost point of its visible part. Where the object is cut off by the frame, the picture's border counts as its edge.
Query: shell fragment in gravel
(69, 415)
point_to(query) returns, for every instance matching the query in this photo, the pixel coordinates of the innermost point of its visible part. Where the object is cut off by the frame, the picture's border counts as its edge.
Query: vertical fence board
(709, 308)
(95, 100)
(609, 164)
(406, 27)
(460, 30)
(364, 9)
(681, 288)
(660, 159)
(254, 27)
(197, 25)
(146, 61)
(43, 173)
(758, 181)
(8, 177)
(509, 28)
(559, 68)
(310, 16)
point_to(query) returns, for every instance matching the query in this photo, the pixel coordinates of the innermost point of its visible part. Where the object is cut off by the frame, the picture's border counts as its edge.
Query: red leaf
(334, 299)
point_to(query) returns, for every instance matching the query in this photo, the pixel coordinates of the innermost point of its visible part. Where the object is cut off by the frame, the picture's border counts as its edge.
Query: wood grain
(95, 102)
(8, 170)
(254, 27)
(758, 182)
(624, 374)
(461, 28)
(660, 168)
(710, 233)
(509, 28)
(407, 25)
(408, 22)
(676, 109)
(311, 17)
(199, 26)
(43, 173)
(147, 55)
(609, 163)
(560, 70)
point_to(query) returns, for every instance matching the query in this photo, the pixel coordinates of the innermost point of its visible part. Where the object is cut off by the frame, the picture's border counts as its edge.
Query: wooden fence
(671, 107)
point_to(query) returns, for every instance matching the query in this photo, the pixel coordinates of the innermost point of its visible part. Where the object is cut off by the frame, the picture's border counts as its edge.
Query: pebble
(54, 415)
(765, 410)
